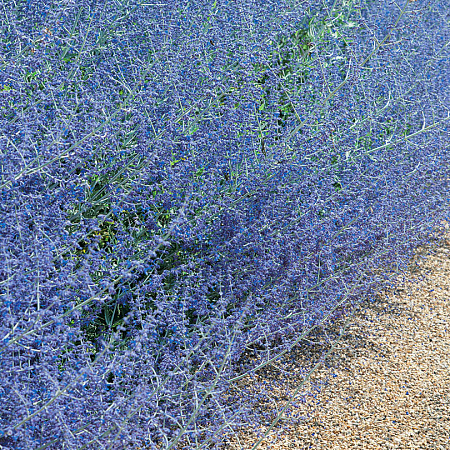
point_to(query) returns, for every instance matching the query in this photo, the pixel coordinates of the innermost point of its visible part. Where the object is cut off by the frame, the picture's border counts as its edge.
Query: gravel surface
(387, 382)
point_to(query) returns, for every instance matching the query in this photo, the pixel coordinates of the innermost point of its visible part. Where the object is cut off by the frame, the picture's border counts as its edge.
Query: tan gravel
(387, 384)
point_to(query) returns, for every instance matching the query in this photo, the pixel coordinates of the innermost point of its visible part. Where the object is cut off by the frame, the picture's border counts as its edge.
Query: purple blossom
(187, 183)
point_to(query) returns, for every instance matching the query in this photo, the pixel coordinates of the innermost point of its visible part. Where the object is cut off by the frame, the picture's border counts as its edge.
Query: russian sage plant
(188, 183)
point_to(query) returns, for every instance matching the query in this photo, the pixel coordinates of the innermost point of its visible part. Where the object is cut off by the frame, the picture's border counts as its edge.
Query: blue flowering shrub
(187, 183)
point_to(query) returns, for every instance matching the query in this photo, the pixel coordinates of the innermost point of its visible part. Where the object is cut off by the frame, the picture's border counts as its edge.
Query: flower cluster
(187, 183)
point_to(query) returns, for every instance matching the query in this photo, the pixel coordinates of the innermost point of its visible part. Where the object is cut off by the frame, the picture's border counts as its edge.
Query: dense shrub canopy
(188, 182)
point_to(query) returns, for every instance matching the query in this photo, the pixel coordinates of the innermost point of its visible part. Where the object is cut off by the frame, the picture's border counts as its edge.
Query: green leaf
(200, 171)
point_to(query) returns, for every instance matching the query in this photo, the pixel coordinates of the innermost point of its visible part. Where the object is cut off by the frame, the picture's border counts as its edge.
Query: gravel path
(387, 384)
